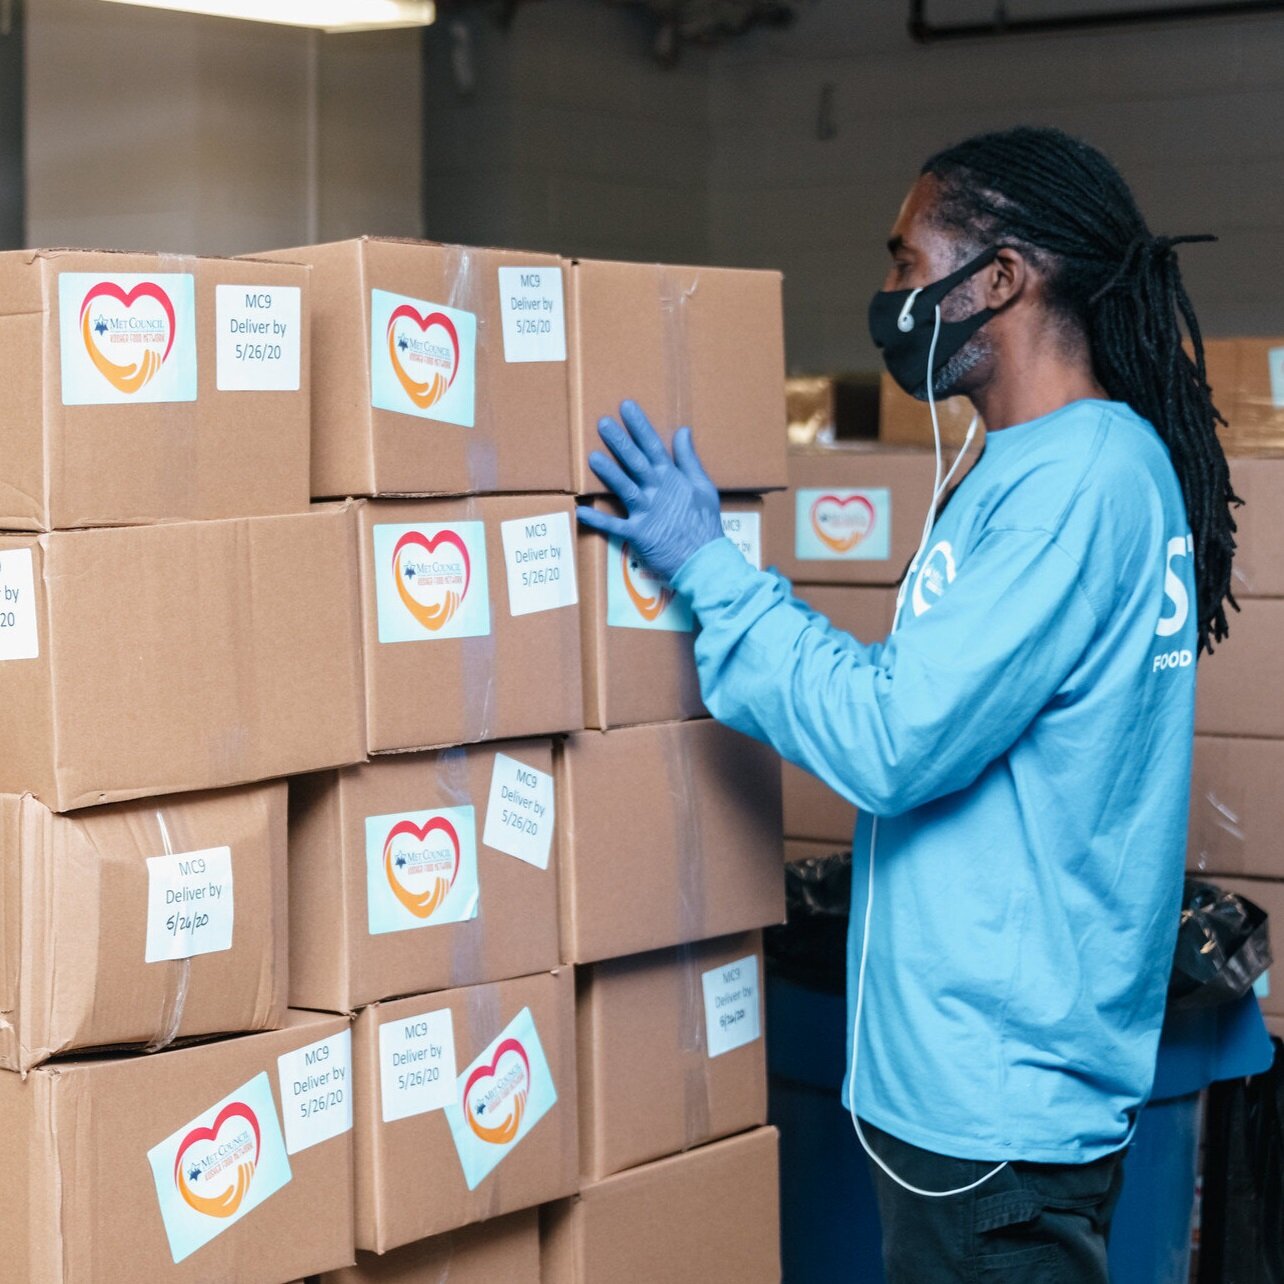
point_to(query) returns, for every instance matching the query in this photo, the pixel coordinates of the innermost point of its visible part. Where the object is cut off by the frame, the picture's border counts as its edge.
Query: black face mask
(901, 323)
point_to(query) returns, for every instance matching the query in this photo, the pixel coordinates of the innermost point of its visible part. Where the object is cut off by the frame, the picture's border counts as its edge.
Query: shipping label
(500, 1098)
(423, 359)
(416, 1065)
(127, 337)
(19, 637)
(539, 553)
(520, 813)
(220, 1166)
(259, 342)
(732, 1015)
(316, 1091)
(532, 313)
(638, 599)
(190, 906)
(431, 582)
(843, 525)
(421, 869)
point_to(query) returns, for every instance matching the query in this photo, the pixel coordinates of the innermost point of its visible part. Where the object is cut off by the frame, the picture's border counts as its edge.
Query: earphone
(938, 489)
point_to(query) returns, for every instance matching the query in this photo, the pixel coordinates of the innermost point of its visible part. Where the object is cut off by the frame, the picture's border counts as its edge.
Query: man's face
(922, 252)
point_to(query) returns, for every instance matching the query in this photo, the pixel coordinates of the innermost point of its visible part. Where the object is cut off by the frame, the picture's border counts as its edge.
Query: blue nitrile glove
(672, 505)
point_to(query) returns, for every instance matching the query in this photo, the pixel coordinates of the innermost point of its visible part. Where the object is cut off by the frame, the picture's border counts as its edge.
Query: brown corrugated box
(1269, 896)
(905, 421)
(641, 668)
(98, 448)
(669, 833)
(85, 1205)
(502, 1251)
(411, 1180)
(360, 926)
(1241, 685)
(152, 660)
(1258, 569)
(370, 435)
(671, 1051)
(825, 408)
(1247, 379)
(103, 913)
(698, 346)
(1236, 807)
(712, 1214)
(447, 662)
(852, 514)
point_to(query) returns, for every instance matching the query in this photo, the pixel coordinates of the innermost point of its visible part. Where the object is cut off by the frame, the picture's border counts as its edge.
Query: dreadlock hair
(1064, 205)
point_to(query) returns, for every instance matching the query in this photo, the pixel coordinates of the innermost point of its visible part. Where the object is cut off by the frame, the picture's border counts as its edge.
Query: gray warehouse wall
(1190, 112)
(12, 231)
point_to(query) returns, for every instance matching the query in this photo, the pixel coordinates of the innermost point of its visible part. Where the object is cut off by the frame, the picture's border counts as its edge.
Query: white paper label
(532, 313)
(731, 1005)
(417, 1064)
(1275, 358)
(519, 816)
(744, 530)
(18, 637)
(189, 904)
(316, 1091)
(540, 558)
(259, 337)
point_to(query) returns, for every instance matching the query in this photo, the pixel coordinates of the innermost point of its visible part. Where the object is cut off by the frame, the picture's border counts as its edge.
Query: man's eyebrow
(895, 244)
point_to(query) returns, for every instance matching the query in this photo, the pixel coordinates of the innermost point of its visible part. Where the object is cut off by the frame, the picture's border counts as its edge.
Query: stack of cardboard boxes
(174, 630)
(498, 768)
(1236, 814)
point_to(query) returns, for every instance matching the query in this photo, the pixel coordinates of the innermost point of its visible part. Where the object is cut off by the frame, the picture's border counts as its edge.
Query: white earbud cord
(938, 488)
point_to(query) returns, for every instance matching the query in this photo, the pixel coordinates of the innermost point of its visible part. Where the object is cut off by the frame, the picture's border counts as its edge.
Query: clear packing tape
(465, 295)
(678, 287)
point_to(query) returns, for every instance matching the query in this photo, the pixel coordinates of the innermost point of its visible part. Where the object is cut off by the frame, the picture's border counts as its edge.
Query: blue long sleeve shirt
(1024, 739)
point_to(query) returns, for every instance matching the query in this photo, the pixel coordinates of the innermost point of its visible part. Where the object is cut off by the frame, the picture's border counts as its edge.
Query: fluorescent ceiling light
(327, 15)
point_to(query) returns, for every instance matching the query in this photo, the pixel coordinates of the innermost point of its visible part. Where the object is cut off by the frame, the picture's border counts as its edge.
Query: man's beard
(952, 374)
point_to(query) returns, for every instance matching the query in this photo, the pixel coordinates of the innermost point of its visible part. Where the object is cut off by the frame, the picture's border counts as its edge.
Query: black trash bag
(1242, 1229)
(810, 948)
(1223, 946)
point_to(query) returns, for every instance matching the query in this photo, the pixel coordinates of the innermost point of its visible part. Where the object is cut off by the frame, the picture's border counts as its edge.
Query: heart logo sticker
(424, 351)
(841, 524)
(421, 872)
(432, 585)
(648, 593)
(495, 1094)
(128, 334)
(214, 1166)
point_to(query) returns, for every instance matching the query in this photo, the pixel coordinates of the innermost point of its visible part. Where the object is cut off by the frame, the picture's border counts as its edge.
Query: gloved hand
(672, 505)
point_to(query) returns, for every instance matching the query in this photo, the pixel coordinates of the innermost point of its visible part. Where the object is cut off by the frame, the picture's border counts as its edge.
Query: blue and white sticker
(421, 869)
(423, 358)
(843, 524)
(431, 581)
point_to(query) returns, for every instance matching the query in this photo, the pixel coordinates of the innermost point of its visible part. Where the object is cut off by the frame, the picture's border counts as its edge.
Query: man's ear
(1007, 278)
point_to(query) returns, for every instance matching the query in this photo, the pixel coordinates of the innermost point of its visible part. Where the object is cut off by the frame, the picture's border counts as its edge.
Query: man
(1019, 748)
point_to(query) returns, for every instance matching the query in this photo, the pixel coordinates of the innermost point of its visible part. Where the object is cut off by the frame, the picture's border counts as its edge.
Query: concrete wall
(11, 164)
(1190, 113)
(156, 130)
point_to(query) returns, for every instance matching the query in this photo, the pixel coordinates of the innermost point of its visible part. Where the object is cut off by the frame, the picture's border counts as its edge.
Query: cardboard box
(440, 369)
(466, 1107)
(1258, 569)
(128, 1174)
(710, 1215)
(471, 617)
(825, 408)
(502, 1251)
(170, 921)
(637, 636)
(851, 515)
(1270, 897)
(127, 400)
(698, 346)
(420, 872)
(1247, 379)
(905, 421)
(1236, 808)
(670, 1051)
(1241, 685)
(162, 659)
(669, 834)
(812, 810)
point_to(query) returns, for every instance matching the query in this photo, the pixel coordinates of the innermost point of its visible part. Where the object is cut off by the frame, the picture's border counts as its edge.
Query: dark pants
(1029, 1224)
